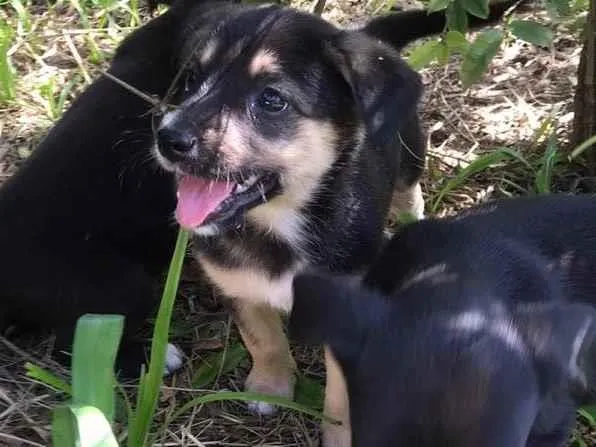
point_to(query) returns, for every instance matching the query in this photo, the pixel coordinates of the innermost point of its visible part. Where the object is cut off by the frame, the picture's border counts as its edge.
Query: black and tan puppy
(473, 330)
(288, 140)
(76, 219)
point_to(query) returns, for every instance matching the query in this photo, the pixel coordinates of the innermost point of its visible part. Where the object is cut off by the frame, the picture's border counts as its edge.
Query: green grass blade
(544, 175)
(589, 414)
(7, 78)
(94, 351)
(81, 426)
(582, 147)
(480, 164)
(47, 378)
(247, 397)
(151, 382)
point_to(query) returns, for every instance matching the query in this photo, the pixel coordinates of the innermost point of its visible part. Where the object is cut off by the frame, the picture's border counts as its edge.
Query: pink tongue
(197, 198)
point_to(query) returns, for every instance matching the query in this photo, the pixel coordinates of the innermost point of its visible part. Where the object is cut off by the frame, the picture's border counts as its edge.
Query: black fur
(465, 329)
(86, 224)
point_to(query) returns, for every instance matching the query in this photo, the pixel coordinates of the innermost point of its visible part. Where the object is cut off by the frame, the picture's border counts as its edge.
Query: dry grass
(525, 86)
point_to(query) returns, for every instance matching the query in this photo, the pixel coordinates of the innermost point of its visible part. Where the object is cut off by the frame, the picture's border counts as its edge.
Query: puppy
(288, 138)
(76, 219)
(473, 330)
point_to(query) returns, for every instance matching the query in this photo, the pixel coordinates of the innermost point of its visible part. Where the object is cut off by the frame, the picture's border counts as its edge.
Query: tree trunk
(584, 122)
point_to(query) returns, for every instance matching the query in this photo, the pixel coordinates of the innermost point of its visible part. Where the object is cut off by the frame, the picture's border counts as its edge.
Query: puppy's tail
(401, 28)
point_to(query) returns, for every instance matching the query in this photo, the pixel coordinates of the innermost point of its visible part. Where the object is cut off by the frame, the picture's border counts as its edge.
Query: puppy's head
(270, 101)
(425, 378)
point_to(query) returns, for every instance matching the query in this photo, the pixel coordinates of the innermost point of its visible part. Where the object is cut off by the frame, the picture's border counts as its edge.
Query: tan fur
(264, 61)
(252, 285)
(336, 405)
(273, 369)
(304, 162)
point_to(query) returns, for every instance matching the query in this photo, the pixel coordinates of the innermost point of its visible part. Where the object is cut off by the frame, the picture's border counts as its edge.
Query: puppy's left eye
(270, 100)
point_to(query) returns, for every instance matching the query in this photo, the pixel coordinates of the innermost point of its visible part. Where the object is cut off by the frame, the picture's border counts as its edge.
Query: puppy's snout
(175, 143)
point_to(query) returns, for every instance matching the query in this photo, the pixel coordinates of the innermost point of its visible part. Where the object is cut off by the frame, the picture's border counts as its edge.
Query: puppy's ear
(385, 88)
(562, 337)
(331, 310)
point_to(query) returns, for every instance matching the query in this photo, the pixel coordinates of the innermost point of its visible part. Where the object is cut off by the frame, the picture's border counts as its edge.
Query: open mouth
(206, 201)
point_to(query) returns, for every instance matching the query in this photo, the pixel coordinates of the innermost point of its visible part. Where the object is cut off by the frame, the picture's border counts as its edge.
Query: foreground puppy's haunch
(288, 140)
(477, 330)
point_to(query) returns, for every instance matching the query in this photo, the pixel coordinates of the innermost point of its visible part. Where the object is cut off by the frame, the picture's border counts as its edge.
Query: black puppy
(476, 330)
(86, 224)
(288, 140)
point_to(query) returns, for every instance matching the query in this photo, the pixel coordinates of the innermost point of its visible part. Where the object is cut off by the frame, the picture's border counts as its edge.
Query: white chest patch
(252, 284)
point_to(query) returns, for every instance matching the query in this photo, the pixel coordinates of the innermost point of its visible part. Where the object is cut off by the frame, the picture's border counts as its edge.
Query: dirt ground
(525, 87)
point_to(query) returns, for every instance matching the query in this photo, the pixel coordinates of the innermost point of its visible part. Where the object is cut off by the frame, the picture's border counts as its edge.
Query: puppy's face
(442, 378)
(268, 103)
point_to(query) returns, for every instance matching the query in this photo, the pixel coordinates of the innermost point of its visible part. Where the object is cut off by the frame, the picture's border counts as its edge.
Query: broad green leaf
(309, 392)
(437, 5)
(479, 56)
(442, 53)
(81, 426)
(224, 361)
(150, 382)
(532, 32)
(478, 8)
(95, 346)
(457, 17)
(456, 42)
(558, 8)
(423, 54)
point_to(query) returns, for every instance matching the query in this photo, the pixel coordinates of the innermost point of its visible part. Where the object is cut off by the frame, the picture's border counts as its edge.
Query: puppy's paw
(276, 385)
(336, 435)
(174, 359)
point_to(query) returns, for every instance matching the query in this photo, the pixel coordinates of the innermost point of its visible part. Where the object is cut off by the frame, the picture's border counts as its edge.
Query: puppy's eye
(270, 100)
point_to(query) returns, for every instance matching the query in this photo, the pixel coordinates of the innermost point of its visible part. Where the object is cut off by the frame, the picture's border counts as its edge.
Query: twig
(77, 57)
(150, 99)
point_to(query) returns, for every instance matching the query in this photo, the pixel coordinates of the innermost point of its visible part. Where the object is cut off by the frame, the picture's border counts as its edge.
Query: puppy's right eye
(271, 101)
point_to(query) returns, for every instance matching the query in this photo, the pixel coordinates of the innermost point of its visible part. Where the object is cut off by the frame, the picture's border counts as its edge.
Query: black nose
(175, 141)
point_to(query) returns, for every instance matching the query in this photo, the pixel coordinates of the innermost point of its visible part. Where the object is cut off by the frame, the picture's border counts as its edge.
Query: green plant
(55, 101)
(478, 54)
(24, 19)
(7, 79)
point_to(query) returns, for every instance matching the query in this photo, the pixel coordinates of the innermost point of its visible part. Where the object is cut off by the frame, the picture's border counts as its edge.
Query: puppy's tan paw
(263, 383)
(336, 435)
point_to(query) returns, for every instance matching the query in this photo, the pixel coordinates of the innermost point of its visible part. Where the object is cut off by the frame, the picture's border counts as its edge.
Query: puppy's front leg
(273, 368)
(408, 199)
(336, 405)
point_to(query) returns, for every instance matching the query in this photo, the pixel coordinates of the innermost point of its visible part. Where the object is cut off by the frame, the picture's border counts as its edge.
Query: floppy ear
(385, 88)
(330, 310)
(562, 337)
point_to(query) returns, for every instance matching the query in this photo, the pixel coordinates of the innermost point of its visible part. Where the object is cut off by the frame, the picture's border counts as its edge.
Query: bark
(584, 123)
